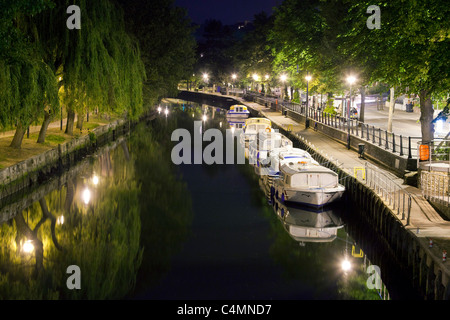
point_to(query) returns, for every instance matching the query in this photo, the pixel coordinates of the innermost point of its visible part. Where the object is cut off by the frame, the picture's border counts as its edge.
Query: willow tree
(99, 65)
(27, 84)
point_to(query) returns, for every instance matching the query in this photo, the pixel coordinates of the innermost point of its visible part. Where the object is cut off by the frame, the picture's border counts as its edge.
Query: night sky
(227, 11)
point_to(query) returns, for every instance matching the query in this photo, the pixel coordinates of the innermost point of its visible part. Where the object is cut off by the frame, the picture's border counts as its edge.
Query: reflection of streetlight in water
(28, 246)
(346, 265)
(86, 196)
(60, 220)
(95, 180)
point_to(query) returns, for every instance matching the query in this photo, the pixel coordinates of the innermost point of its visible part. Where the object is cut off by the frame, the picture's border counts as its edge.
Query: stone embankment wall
(36, 169)
(428, 274)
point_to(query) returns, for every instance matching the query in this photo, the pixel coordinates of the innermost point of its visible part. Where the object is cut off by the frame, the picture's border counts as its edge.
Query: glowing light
(205, 76)
(166, 112)
(351, 79)
(60, 220)
(204, 117)
(255, 77)
(308, 78)
(346, 265)
(28, 246)
(283, 77)
(95, 180)
(267, 77)
(159, 109)
(86, 196)
(220, 124)
(234, 76)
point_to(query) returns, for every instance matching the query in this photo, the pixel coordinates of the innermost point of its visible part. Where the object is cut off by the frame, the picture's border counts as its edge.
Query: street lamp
(205, 78)
(351, 80)
(308, 79)
(283, 79)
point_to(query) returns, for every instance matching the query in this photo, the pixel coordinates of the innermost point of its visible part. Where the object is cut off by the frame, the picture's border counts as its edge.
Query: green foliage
(27, 84)
(166, 42)
(330, 106)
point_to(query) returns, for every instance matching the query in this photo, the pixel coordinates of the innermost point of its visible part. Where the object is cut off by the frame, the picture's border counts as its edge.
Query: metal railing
(403, 145)
(391, 192)
(435, 186)
(436, 151)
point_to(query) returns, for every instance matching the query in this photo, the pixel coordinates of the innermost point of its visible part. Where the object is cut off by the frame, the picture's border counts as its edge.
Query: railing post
(401, 145)
(409, 148)
(379, 136)
(393, 142)
(387, 142)
(362, 130)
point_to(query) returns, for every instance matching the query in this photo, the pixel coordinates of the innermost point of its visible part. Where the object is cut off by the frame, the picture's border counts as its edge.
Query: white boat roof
(258, 120)
(286, 152)
(238, 105)
(292, 169)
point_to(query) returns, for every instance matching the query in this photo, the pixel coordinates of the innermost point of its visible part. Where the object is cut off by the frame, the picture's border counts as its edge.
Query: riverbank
(423, 225)
(34, 163)
(409, 233)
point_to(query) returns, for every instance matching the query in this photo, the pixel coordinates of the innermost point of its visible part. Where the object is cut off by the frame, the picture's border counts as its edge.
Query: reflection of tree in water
(101, 237)
(166, 212)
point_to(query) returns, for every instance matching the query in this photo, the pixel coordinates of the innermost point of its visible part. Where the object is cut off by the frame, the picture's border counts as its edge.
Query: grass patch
(30, 147)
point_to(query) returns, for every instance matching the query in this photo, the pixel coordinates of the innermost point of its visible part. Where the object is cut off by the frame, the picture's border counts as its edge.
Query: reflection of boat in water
(307, 183)
(238, 111)
(251, 128)
(308, 225)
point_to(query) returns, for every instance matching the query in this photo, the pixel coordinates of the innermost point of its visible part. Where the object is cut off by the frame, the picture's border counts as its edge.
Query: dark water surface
(148, 229)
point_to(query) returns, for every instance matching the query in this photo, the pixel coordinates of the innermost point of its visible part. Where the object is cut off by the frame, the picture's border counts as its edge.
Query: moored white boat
(307, 183)
(251, 128)
(238, 111)
(270, 169)
(265, 142)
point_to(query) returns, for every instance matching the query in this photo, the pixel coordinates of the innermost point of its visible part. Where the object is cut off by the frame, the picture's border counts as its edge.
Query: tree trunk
(44, 127)
(18, 136)
(362, 90)
(391, 110)
(426, 116)
(48, 215)
(80, 119)
(70, 121)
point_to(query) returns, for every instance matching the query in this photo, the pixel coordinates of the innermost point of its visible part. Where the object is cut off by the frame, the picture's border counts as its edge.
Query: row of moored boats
(289, 174)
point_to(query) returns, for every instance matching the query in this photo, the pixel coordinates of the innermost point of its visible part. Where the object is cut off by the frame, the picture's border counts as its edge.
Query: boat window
(299, 180)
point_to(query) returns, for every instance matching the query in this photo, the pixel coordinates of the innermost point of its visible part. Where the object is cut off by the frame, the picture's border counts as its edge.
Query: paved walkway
(425, 222)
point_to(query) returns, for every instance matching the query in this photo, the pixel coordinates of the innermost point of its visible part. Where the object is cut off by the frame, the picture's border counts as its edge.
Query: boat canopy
(309, 175)
(236, 107)
(263, 121)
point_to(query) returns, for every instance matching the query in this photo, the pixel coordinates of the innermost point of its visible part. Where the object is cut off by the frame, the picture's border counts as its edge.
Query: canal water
(133, 225)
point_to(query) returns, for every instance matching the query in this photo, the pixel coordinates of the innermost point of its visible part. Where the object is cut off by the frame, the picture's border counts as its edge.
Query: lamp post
(255, 78)
(308, 79)
(205, 78)
(233, 76)
(351, 80)
(283, 79)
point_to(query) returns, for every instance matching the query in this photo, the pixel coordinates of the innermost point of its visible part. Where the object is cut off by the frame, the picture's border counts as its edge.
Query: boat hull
(314, 197)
